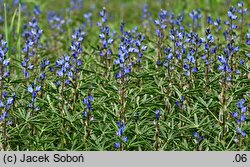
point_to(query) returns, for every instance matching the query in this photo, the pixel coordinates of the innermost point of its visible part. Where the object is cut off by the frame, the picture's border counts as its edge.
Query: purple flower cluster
(229, 33)
(44, 63)
(198, 137)
(88, 22)
(63, 66)
(68, 67)
(224, 67)
(196, 18)
(180, 103)
(76, 5)
(208, 47)
(161, 24)
(169, 52)
(76, 46)
(124, 55)
(37, 10)
(106, 36)
(240, 116)
(139, 47)
(56, 22)
(248, 38)
(76, 50)
(131, 43)
(5, 103)
(146, 16)
(120, 134)
(4, 61)
(106, 41)
(157, 115)
(87, 101)
(241, 10)
(34, 89)
(32, 34)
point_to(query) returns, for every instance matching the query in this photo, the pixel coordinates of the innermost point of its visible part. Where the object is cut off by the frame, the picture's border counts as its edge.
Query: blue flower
(240, 116)
(248, 38)
(87, 101)
(157, 114)
(30, 89)
(125, 139)
(3, 116)
(196, 134)
(6, 62)
(241, 103)
(10, 101)
(1, 103)
(209, 20)
(240, 131)
(37, 10)
(33, 89)
(231, 15)
(242, 62)
(243, 118)
(76, 5)
(198, 137)
(191, 58)
(59, 73)
(117, 145)
(235, 114)
(210, 38)
(121, 130)
(56, 23)
(85, 114)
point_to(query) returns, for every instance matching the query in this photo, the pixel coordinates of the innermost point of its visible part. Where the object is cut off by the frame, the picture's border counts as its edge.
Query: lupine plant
(106, 40)
(87, 116)
(157, 130)
(161, 25)
(32, 34)
(76, 60)
(57, 23)
(6, 101)
(196, 16)
(240, 119)
(174, 77)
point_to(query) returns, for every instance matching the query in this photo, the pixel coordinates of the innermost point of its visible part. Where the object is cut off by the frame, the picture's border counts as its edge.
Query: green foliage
(59, 125)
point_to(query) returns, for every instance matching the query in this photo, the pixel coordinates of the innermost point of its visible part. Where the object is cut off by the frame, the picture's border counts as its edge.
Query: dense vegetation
(124, 75)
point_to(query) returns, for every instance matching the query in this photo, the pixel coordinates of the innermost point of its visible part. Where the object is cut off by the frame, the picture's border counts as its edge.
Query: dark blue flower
(198, 137)
(240, 131)
(241, 103)
(157, 114)
(117, 145)
(3, 116)
(231, 15)
(242, 62)
(37, 10)
(235, 114)
(121, 129)
(33, 89)
(210, 38)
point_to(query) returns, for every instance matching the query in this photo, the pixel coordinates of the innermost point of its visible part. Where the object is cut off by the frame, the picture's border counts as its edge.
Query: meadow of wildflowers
(124, 75)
